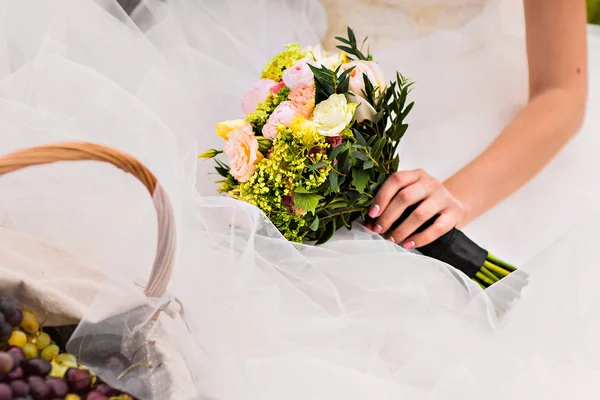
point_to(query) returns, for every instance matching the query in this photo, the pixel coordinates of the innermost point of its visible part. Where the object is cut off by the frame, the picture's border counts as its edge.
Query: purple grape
(5, 392)
(19, 388)
(14, 318)
(95, 395)
(38, 388)
(16, 374)
(79, 380)
(5, 332)
(58, 387)
(117, 362)
(8, 306)
(106, 390)
(17, 354)
(37, 366)
(7, 363)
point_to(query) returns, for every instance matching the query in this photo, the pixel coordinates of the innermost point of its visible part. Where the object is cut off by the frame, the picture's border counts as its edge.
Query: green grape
(30, 351)
(50, 352)
(58, 371)
(66, 360)
(18, 339)
(42, 341)
(30, 323)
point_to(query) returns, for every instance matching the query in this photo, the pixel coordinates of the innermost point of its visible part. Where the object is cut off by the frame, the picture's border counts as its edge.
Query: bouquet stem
(456, 249)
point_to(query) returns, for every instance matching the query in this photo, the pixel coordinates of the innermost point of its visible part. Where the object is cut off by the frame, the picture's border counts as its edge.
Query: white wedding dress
(359, 317)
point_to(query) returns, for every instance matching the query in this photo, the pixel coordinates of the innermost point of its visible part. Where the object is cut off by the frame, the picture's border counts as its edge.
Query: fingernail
(391, 239)
(378, 229)
(409, 245)
(374, 211)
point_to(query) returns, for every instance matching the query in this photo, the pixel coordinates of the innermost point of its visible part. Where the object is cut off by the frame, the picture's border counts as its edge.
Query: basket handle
(81, 151)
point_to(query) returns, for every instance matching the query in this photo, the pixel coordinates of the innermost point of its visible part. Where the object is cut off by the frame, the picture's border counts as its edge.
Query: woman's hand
(404, 189)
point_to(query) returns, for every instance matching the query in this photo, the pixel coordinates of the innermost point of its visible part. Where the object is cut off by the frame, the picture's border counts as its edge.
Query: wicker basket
(66, 309)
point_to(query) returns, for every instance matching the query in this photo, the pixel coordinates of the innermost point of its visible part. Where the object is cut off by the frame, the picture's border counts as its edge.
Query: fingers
(405, 189)
(423, 213)
(403, 199)
(442, 225)
(390, 188)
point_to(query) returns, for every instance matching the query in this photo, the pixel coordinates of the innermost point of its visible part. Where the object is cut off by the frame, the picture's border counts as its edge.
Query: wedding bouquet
(319, 139)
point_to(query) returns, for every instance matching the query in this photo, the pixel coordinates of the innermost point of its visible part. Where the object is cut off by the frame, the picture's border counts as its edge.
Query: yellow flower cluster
(258, 118)
(286, 59)
(286, 168)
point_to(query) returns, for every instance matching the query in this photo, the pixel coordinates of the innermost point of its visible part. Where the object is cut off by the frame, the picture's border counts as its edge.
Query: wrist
(467, 198)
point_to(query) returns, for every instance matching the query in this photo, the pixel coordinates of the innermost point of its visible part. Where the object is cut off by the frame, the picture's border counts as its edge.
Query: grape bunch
(32, 366)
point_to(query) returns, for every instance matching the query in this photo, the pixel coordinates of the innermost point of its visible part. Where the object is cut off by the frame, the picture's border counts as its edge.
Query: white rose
(319, 57)
(315, 53)
(333, 115)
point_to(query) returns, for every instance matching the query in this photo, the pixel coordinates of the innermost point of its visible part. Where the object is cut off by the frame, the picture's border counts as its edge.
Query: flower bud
(212, 153)
(264, 144)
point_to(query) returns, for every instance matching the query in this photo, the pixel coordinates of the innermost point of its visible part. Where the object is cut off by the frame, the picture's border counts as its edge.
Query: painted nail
(409, 245)
(378, 229)
(374, 211)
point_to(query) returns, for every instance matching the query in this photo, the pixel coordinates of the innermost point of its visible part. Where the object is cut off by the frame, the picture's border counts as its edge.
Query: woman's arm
(556, 48)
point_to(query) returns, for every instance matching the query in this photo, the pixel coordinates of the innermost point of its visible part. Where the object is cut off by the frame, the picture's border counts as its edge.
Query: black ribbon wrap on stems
(453, 248)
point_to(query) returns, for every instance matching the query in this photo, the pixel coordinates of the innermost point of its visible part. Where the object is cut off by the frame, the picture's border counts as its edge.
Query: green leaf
(406, 111)
(395, 164)
(335, 152)
(222, 171)
(344, 75)
(338, 202)
(343, 40)
(344, 81)
(347, 49)
(300, 189)
(325, 82)
(315, 224)
(368, 164)
(378, 147)
(369, 90)
(364, 201)
(345, 219)
(351, 36)
(360, 178)
(328, 234)
(333, 180)
(308, 202)
(399, 132)
(360, 138)
(361, 156)
(318, 165)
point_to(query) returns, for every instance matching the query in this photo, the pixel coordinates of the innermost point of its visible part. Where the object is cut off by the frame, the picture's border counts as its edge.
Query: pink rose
(257, 94)
(283, 114)
(275, 89)
(303, 98)
(369, 68)
(298, 76)
(242, 151)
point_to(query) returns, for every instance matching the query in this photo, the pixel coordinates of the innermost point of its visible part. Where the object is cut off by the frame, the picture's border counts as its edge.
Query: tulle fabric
(356, 318)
